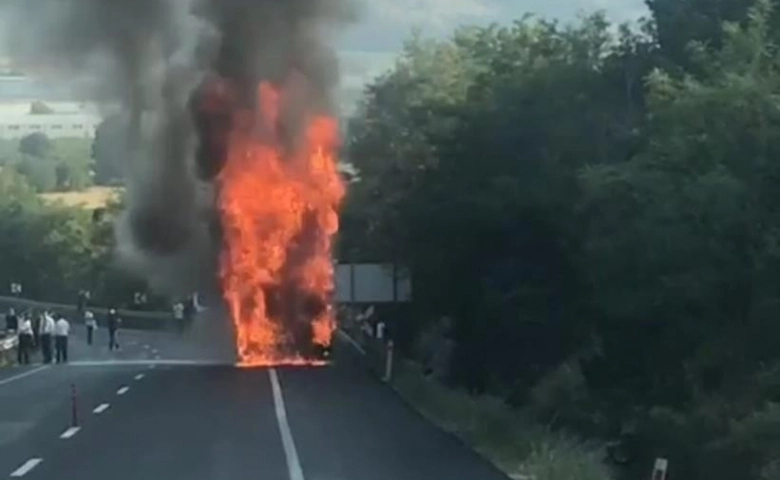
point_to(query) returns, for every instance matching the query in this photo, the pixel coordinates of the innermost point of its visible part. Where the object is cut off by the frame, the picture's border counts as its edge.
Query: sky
(368, 47)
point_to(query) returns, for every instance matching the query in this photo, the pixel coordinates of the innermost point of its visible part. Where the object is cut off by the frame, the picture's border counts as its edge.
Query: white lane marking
(139, 376)
(147, 347)
(26, 467)
(149, 362)
(122, 390)
(155, 351)
(156, 357)
(152, 366)
(70, 432)
(101, 408)
(352, 342)
(291, 454)
(23, 374)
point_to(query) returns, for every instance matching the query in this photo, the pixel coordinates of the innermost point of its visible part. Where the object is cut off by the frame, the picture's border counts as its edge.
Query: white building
(69, 118)
(54, 125)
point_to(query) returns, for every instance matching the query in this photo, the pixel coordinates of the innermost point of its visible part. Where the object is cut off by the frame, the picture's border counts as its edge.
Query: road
(160, 410)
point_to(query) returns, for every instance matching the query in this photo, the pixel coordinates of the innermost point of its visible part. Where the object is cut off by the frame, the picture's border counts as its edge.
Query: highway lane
(221, 423)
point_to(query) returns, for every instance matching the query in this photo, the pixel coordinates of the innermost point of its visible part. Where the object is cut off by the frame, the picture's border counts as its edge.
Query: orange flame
(279, 210)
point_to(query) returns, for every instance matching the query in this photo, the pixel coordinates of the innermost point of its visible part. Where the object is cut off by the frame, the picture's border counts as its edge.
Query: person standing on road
(37, 322)
(81, 301)
(11, 320)
(25, 341)
(91, 323)
(46, 332)
(61, 331)
(113, 326)
(178, 315)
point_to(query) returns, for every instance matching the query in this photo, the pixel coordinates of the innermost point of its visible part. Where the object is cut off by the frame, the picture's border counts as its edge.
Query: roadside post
(74, 418)
(388, 362)
(659, 469)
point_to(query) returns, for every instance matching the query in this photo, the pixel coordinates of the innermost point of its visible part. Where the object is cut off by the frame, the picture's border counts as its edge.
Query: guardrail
(8, 346)
(376, 355)
(131, 319)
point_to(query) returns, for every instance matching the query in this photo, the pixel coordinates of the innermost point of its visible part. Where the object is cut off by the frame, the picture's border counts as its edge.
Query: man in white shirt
(46, 332)
(25, 341)
(61, 331)
(91, 323)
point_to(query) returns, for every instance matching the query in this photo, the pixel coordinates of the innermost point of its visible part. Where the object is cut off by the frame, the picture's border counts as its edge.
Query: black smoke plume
(156, 61)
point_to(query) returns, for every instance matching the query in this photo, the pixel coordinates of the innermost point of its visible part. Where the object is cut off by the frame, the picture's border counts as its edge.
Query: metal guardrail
(131, 319)
(8, 349)
(377, 355)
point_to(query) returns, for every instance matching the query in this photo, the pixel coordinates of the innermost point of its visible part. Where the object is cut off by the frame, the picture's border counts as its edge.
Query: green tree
(41, 173)
(35, 145)
(107, 150)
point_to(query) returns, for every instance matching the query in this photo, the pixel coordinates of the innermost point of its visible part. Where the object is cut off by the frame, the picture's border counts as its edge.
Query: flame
(279, 212)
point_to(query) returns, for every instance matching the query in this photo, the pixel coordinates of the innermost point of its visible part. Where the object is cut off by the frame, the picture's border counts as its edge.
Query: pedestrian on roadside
(114, 322)
(81, 301)
(37, 321)
(46, 332)
(61, 331)
(11, 320)
(91, 323)
(25, 340)
(179, 312)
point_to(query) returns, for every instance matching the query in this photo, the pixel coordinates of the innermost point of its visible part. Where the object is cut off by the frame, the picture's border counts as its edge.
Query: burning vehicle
(270, 149)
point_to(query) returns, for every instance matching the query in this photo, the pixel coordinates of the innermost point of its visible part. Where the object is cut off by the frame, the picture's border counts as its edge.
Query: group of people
(45, 330)
(49, 332)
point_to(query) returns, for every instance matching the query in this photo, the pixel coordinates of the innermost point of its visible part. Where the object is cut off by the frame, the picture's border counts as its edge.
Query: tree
(570, 197)
(41, 173)
(108, 148)
(35, 145)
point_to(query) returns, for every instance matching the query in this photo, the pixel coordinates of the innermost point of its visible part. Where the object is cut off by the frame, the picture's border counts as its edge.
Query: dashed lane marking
(26, 467)
(70, 432)
(101, 408)
(23, 374)
(150, 362)
(139, 376)
(290, 453)
(122, 390)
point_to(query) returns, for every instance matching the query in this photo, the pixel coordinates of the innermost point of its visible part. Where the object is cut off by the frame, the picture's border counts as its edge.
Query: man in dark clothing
(11, 320)
(81, 301)
(113, 322)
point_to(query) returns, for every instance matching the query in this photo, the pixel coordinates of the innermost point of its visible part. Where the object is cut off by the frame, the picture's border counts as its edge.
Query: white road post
(388, 362)
(659, 469)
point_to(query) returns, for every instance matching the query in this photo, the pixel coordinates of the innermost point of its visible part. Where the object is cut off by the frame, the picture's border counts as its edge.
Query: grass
(517, 445)
(91, 198)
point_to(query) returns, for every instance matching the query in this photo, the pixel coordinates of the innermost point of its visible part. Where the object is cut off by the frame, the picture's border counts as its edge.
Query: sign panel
(372, 283)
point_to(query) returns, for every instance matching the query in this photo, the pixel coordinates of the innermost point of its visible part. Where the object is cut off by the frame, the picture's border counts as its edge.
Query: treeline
(53, 249)
(591, 214)
(50, 165)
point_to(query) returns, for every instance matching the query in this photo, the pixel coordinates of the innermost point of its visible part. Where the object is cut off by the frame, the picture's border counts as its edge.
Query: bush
(506, 436)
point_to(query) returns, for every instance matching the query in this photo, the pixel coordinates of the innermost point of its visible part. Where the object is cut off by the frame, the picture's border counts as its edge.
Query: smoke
(153, 59)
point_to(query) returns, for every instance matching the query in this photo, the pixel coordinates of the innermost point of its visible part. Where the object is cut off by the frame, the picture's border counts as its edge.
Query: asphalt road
(156, 411)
